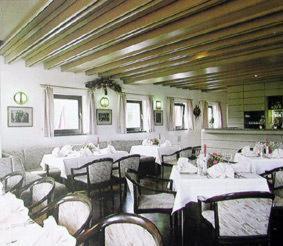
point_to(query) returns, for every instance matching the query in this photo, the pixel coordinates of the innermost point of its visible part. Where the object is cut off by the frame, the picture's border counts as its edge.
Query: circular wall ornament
(104, 102)
(20, 98)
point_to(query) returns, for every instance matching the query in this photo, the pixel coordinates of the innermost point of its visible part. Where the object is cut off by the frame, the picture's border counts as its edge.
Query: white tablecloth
(190, 186)
(64, 164)
(16, 227)
(258, 164)
(154, 151)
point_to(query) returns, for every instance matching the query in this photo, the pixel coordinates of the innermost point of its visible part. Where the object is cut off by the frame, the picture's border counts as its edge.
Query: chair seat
(162, 201)
(236, 220)
(278, 201)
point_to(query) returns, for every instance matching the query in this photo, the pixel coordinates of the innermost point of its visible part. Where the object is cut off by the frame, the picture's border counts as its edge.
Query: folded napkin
(277, 153)
(184, 166)
(56, 152)
(246, 151)
(85, 152)
(65, 150)
(108, 150)
(167, 143)
(146, 142)
(221, 170)
(53, 234)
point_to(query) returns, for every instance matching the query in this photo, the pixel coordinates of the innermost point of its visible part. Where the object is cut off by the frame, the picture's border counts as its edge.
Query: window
(67, 115)
(211, 116)
(134, 122)
(179, 116)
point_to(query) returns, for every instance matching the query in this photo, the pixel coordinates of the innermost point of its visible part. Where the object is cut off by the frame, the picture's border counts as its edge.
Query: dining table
(155, 151)
(65, 163)
(189, 187)
(258, 164)
(18, 229)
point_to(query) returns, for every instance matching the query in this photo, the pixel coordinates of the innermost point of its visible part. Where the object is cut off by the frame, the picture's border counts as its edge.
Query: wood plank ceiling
(191, 44)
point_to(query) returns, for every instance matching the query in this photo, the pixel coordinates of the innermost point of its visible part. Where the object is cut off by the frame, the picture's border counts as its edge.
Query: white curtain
(170, 114)
(204, 110)
(48, 112)
(122, 103)
(149, 113)
(219, 115)
(92, 113)
(190, 118)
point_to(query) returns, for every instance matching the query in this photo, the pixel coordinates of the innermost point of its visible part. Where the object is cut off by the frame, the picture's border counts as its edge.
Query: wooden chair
(119, 169)
(13, 182)
(38, 194)
(73, 211)
(151, 200)
(95, 175)
(123, 229)
(240, 218)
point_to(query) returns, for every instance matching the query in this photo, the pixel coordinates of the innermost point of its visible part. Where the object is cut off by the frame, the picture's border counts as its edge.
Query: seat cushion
(278, 201)
(245, 217)
(161, 200)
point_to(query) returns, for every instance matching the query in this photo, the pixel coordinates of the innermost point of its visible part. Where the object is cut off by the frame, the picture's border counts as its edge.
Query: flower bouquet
(155, 141)
(213, 159)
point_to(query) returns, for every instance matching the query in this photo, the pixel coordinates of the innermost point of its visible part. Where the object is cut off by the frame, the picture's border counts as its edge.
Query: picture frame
(20, 116)
(104, 117)
(158, 117)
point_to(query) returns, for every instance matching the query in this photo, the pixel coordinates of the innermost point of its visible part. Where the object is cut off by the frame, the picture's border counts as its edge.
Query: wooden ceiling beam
(71, 14)
(211, 50)
(249, 28)
(165, 15)
(225, 15)
(152, 78)
(42, 10)
(126, 12)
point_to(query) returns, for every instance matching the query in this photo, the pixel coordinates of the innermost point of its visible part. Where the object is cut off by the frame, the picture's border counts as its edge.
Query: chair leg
(112, 194)
(121, 191)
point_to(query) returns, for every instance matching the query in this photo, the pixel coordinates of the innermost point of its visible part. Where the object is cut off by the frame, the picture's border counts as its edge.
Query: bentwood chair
(241, 218)
(95, 175)
(122, 229)
(12, 182)
(151, 200)
(38, 194)
(73, 211)
(119, 169)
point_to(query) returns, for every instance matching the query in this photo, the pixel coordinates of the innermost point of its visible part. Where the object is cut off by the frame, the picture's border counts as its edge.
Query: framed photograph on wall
(158, 117)
(104, 117)
(20, 116)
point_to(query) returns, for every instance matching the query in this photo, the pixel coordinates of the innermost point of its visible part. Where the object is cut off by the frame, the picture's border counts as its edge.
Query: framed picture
(104, 117)
(158, 117)
(20, 117)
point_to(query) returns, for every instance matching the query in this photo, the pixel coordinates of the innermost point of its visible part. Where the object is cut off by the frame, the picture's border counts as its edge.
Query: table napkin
(277, 153)
(184, 166)
(167, 143)
(221, 170)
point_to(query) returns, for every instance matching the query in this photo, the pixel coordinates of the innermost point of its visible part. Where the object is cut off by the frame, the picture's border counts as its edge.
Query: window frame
(136, 129)
(183, 116)
(70, 132)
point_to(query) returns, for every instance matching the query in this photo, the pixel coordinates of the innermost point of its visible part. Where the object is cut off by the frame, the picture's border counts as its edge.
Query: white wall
(17, 77)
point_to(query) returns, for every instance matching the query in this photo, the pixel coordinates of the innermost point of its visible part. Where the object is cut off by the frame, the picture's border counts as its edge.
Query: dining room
(141, 122)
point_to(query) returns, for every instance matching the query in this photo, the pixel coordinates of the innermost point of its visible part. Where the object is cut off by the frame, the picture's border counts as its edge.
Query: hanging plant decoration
(196, 111)
(103, 83)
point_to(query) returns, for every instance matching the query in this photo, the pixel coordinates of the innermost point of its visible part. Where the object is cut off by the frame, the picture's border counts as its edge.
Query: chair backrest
(275, 180)
(242, 214)
(132, 181)
(129, 162)
(186, 152)
(74, 212)
(124, 229)
(40, 193)
(5, 166)
(13, 182)
(100, 170)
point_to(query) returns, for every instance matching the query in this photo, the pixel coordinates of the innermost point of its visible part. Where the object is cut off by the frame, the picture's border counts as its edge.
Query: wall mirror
(20, 98)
